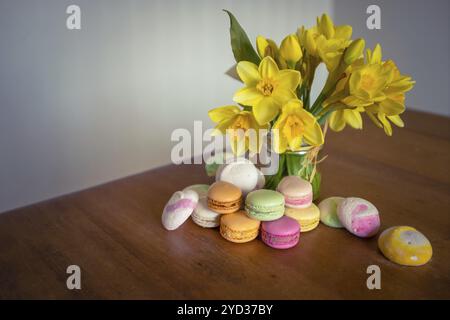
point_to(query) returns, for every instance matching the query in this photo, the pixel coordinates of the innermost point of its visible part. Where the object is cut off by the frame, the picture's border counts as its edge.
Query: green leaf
(240, 43)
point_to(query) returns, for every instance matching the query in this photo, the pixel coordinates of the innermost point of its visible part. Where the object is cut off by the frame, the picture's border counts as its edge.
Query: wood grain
(113, 232)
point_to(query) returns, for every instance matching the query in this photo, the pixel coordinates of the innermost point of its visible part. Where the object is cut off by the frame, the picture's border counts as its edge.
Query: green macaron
(264, 205)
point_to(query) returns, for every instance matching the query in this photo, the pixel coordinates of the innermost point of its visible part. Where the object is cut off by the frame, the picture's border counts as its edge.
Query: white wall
(415, 34)
(79, 108)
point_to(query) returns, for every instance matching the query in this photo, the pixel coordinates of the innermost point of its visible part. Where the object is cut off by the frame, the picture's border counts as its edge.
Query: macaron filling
(265, 210)
(280, 240)
(181, 204)
(298, 201)
(226, 206)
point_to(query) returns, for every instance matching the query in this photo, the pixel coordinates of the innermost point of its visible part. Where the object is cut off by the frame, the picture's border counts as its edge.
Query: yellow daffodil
(390, 108)
(326, 41)
(374, 86)
(266, 88)
(295, 126)
(238, 124)
(290, 50)
(366, 85)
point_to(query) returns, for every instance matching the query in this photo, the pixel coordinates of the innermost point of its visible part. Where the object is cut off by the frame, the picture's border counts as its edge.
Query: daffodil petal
(374, 119)
(353, 118)
(343, 32)
(386, 125)
(295, 143)
(248, 96)
(261, 45)
(391, 107)
(266, 110)
(292, 105)
(222, 126)
(222, 113)
(282, 95)
(376, 54)
(397, 121)
(268, 68)
(337, 122)
(288, 79)
(314, 135)
(307, 118)
(248, 72)
(326, 26)
(279, 142)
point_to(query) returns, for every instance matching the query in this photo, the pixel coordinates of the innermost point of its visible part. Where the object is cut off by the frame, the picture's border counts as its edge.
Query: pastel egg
(179, 208)
(405, 246)
(328, 212)
(359, 217)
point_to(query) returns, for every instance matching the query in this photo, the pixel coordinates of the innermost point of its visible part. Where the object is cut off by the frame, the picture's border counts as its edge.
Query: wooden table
(113, 232)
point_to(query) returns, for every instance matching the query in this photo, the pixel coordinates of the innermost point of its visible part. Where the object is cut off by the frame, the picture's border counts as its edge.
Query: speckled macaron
(242, 173)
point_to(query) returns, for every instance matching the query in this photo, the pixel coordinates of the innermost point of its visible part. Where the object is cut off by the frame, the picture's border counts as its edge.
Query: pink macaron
(297, 192)
(359, 216)
(283, 233)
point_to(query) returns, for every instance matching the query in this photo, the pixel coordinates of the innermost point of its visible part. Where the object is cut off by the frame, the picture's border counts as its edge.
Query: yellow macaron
(237, 227)
(308, 218)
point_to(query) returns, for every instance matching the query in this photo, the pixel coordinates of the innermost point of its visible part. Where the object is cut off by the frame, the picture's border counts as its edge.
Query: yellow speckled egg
(405, 246)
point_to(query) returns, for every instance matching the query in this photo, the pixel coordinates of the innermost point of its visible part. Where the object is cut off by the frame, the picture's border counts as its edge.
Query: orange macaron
(224, 197)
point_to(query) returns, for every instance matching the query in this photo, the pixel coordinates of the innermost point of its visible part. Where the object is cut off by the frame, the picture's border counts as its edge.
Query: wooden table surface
(113, 232)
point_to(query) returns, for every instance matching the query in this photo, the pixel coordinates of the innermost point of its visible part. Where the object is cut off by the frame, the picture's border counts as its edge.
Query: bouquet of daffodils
(276, 93)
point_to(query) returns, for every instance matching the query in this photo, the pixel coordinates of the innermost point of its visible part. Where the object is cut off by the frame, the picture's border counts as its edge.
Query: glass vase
(302, 164)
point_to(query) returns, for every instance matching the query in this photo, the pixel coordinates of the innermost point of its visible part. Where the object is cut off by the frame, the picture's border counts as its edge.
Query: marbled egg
(359, 216)
(405, 246)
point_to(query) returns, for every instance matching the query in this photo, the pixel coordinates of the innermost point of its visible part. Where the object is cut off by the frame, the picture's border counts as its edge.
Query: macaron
(328, 212)
(179, 208)
(308, 218)
(264, 205)
(359, 217)
(241, 172)
(224, 197)
(298, 193)
(405, 246)
(201, 189)
(237, 227)
(205, 217)
(283, 233)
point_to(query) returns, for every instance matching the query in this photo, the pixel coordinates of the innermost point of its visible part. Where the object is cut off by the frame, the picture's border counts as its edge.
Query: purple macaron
(283, 233)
